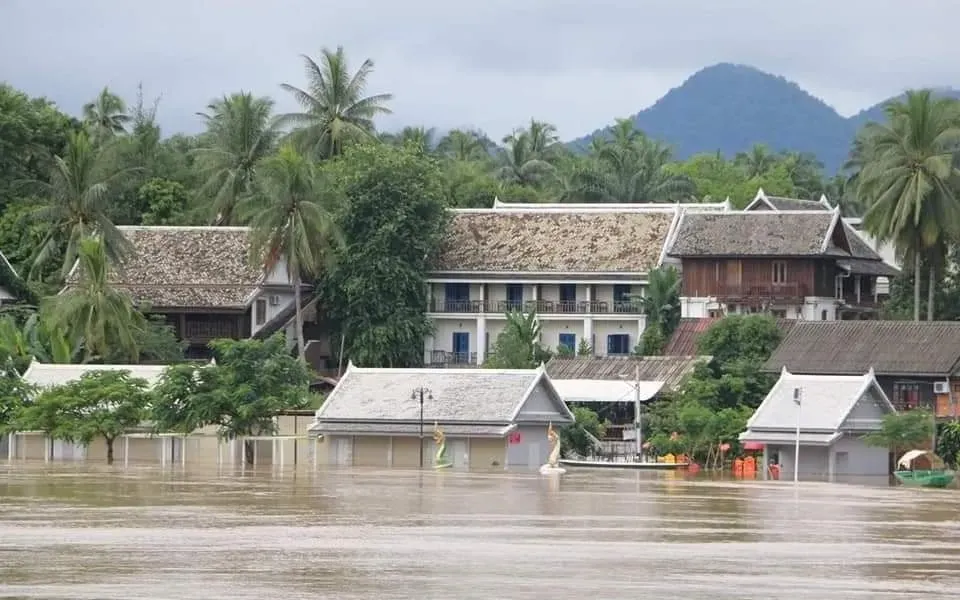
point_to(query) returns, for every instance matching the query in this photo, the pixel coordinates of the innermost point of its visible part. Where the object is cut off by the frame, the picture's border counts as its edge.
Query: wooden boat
(931, 474)
(623, 464)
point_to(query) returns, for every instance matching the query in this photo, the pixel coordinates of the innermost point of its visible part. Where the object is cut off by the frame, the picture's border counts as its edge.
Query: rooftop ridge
(181, 228)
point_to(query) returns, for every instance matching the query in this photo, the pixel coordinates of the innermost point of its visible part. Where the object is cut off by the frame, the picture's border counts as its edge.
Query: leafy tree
(105, 404)
(579, 436)
(634, 169)
(14, 396)
(908, 180)
(75, 202)
(463, 146)
(392, 220)
(105, 116)
(518, 345)
(736, 337)
(903, 431)
(584, 348)
(948, 442)
(418, 139)
(661, 299)
(335, 109)
(293, 221)
(92, 311)
(165, 201)
(156, 343)
(526, 158)
(653, 340)
(249, 383)
(240, 134)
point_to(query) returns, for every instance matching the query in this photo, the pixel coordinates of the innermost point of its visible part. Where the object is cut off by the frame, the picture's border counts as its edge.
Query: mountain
(728, 108)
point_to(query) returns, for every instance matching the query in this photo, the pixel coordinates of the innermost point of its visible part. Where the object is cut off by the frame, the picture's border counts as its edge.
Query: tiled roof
(926, 348)
(862, 266)
(198, 267)
(338, 428)
(752, 234)
(46, 375)
(464, 396)
(783, 203)
(669, 369)
(825, 403)
(532, 241)
(684, 340)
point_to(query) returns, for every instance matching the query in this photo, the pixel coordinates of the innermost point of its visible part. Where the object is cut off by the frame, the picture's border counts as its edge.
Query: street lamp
(420, 392)
(797, 396)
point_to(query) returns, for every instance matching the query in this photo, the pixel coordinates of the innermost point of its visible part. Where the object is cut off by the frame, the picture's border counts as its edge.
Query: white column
(766, 462)
(10, 440)
(588, 334)
(481, 339)
(47, 448)
(126, 450)
(183, 451)
(856, 285)
(163, 451)
(641, 326)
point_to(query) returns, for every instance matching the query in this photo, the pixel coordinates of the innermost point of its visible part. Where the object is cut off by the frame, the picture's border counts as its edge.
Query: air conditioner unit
(274, 300)
(941, 387)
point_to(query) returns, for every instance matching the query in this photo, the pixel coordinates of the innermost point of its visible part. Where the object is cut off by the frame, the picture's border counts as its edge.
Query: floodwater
(98, 532)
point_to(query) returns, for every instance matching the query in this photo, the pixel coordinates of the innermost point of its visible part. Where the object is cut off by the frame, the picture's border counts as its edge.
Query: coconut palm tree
(635, 172)
(419, 138)
(93, 312)
(907, 179)
(335, 109)
(462, 145)
(240, 133)
(106, 116)
(292, 220)
(756, 161)
(76, 200)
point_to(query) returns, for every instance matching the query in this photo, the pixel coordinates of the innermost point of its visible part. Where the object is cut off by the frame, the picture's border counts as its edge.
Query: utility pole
(420, 392)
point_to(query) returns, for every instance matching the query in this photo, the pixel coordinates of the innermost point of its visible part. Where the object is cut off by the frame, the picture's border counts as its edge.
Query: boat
(623, 464)
(931, 474)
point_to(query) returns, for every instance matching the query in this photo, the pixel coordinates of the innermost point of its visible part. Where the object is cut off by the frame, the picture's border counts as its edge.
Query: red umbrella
(753, 446)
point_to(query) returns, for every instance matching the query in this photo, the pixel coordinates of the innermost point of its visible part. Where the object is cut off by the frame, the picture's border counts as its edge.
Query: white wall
(811, 309)
(550, 331)
(272, 310)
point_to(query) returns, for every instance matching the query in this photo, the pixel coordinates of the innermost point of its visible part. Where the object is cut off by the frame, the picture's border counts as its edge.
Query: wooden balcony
(770, 292)
(443, 359)
(544, 307)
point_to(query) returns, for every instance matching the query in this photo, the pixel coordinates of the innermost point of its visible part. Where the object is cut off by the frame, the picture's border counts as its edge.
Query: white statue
(553, 461)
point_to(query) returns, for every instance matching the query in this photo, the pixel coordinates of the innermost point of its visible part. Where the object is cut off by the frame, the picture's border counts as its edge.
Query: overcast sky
(491, 64)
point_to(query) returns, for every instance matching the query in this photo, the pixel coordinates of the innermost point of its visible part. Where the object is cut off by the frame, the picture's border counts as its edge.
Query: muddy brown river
(94, 532)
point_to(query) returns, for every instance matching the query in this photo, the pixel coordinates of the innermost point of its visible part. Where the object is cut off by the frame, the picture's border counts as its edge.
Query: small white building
(834, 412)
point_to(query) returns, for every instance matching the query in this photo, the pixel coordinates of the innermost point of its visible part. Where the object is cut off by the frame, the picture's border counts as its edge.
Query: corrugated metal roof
(926, 348)
(669, 369)
(47, 375)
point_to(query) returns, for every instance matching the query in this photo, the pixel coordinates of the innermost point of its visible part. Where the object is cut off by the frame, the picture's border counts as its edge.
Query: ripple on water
(91, 532)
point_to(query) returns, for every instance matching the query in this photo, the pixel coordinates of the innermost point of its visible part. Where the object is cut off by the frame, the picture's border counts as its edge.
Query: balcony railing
(582, 307)
(769, 291)
(864, 301)
(442, 358)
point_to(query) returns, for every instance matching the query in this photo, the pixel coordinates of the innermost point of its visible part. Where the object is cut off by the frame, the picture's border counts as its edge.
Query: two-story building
(201, 281)
(797, 264)
(581, 267)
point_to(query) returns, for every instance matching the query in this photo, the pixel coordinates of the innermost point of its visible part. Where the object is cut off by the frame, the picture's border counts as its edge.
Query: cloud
(491, 64)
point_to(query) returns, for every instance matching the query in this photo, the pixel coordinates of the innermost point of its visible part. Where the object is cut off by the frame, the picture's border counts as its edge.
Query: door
(535, 460)
(461, 347)
(457, 297)
(569, 341)
(841, 464)
(514, 296)
(343, 451)
(457, 453)
(568, 297)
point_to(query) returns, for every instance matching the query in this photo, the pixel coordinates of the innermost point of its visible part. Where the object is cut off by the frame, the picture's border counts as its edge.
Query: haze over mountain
(728, 108)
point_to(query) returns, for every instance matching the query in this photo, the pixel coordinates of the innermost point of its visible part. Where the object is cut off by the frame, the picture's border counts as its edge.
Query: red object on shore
(753, 446)
(774, 471)
(693, 468)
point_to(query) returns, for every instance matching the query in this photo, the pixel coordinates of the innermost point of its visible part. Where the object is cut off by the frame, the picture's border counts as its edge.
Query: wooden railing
(538, 306)
(772, 291)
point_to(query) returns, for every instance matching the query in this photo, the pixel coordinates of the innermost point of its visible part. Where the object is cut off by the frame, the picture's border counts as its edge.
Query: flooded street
(93, 532)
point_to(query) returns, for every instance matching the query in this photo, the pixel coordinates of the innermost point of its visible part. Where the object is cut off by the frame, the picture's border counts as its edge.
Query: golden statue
(554, 439)
(440, 460)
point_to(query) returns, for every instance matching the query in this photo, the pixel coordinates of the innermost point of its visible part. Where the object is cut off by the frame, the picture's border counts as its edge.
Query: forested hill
(732, 107)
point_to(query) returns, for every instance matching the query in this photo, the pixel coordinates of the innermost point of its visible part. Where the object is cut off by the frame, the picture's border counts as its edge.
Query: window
(514, 296)
(714, 314)
(569, 341)
(260, 310)
(457, 297)
(779, 272)
(823, 315)
(621, 292)
(618, 344)
(906, 395)
(461, 347)
(779, 314)
(568, 297)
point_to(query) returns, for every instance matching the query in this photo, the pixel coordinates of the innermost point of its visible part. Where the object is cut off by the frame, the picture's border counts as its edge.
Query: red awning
(752, 446)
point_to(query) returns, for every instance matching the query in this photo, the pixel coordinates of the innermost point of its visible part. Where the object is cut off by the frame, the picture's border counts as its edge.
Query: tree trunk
(248, 451)
(109, 450)
(299, 320)
(930, 284)
(916, 286)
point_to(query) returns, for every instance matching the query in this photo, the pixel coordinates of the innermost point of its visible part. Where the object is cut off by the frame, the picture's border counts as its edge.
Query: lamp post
(420, 392)
(638, 416)
(797, 397)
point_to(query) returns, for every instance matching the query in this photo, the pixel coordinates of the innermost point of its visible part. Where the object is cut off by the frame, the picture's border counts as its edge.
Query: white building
(581, 267)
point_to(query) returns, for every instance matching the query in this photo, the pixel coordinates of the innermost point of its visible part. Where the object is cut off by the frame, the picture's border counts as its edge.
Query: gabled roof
(537, 241)
(906, 348)
(825, 402)
(499, 205)
(760, 233)
(195, 267)
(48, 375)
(781, 203)
(460, 396)
(670, 370)
(683, 341)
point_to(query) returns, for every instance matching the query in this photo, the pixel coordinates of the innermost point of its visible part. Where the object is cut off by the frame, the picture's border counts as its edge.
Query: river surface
(98, 532)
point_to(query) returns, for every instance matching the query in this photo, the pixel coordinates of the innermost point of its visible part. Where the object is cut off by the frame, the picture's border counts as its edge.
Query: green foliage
(104, 404)
(653, 340)
(250, 382)
(903, 431)
(576, 437)
(948, 443)
(687, 426)
(752, 337)
(584, 348)
(518, 345)
(15, 393)
(392, 222)
(165, 201)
